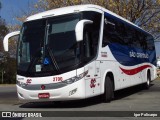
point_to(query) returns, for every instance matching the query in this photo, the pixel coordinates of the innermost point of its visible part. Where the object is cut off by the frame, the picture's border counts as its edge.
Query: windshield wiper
(53, 59)
(49, 50)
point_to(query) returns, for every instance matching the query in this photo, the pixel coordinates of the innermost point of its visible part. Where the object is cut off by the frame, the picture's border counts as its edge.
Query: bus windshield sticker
(38, 68)
(46, 61)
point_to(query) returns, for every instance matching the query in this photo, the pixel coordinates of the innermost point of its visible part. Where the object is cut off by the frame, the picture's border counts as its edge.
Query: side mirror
(80, 28)
(5, 40)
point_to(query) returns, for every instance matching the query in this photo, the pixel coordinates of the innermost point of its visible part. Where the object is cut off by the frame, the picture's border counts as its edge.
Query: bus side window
(90, 41)
(128, 36)
(91, 34)
(143, 42)
(150, 42)
(108, 33)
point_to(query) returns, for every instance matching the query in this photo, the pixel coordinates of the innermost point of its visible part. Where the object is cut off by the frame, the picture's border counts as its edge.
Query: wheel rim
(148, 82)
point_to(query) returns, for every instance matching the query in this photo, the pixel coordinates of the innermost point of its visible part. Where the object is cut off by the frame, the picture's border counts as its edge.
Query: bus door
(92, 79)
(90, 48)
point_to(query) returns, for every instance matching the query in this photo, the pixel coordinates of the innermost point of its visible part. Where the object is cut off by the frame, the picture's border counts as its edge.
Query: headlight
(76, 78)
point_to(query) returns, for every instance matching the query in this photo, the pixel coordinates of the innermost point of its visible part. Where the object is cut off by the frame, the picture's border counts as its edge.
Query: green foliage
(8, 67)
(3, 29)
(7, 64)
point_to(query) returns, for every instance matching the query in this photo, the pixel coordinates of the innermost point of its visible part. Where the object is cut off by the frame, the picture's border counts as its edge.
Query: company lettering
(138, 55)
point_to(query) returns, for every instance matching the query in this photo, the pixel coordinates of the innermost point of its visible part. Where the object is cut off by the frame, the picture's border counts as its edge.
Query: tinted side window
(150, 42)
(142, 40)
(117, 31)
(136, 39)
(130, 35)
(114, 32)
(108, 31)
(91, 33)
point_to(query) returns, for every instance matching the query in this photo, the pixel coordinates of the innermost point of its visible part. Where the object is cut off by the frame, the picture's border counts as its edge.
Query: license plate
(43, 95)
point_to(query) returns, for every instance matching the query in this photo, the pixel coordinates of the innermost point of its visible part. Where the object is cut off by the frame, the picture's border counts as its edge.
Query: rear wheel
(148, 83)
(109, 92)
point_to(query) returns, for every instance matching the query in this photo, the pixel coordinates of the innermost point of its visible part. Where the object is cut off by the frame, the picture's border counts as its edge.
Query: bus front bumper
(72, 91)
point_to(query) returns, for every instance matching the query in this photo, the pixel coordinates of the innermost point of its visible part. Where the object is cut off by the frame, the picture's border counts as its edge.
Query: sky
(12, 8)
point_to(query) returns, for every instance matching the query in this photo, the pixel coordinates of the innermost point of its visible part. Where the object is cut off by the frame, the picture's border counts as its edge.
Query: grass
(7, 84)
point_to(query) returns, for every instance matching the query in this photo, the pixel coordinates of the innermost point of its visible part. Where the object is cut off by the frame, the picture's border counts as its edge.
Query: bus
(78, 52)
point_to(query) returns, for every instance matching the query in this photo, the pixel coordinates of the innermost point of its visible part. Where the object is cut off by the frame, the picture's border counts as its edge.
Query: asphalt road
(130, 99)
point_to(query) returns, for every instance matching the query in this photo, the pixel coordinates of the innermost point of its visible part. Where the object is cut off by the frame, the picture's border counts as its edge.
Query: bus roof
(77, 8)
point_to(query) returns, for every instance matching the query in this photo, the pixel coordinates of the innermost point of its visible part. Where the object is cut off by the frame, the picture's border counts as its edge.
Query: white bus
(79, 52)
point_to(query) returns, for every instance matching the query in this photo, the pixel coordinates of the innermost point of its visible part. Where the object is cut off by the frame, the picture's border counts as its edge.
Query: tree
(7, 60)
(7, 63)
(3, 32)
(3, 29)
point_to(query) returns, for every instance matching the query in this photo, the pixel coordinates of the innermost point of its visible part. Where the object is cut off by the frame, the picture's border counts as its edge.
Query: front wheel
(109, 92)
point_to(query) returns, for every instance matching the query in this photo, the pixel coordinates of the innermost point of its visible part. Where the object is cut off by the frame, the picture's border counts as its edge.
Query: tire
(109, 92)
(148, 83)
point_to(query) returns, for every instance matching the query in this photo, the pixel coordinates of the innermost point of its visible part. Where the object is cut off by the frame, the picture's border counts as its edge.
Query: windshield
(48, 46)
(62, 40)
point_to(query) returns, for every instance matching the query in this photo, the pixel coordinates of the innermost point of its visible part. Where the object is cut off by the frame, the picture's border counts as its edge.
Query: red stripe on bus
(135, 70)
